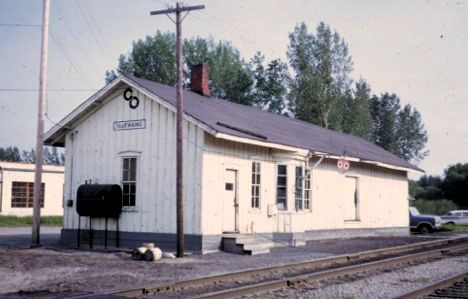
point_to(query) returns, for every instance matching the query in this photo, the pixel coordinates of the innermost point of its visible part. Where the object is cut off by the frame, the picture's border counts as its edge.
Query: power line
(69, 58)
(75, 38)
(98, 28)
(57, 90)
(85, 18)
(243, 31)
(19, 25)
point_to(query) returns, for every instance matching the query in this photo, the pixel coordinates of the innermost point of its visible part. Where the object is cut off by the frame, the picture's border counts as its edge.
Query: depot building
(246, 171)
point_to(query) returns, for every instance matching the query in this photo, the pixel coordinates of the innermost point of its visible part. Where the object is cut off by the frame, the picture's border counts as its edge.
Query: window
(307, 189)
(22, 194)
(129, 169)
(282, 187)
(299, 188)
(255, 185)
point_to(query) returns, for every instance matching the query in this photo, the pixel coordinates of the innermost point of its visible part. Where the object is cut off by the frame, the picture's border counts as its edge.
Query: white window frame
(285, 186)
(129, 181)
(299, 188)
(307, 190)
(255, 198)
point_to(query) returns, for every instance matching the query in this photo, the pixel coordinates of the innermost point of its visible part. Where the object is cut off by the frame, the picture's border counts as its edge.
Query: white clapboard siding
(94, 152)
(383, 193)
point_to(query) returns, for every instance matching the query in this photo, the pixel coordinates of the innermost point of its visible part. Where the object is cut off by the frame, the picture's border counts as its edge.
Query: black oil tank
(99, 200)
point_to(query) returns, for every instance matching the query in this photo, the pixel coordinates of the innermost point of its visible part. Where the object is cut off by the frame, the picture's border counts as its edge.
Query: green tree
(10, 154)
(455, 184)
(269, 92)
(357, 118)
(397, 130)
(430, 188)
(384, 111)
(28, 156)
(154, 59)
(411, 137)
(321, 81)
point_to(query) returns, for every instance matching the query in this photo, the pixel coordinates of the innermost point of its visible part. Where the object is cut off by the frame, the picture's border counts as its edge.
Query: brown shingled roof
(243, 121)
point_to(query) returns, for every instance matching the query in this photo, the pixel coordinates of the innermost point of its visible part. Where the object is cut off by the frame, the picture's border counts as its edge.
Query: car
(459, 217)
(424, 224)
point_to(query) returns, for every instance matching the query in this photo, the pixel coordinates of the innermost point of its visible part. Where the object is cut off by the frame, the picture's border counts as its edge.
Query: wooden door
(229, 199)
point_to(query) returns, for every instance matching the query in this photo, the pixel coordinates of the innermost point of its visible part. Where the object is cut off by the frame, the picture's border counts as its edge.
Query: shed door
(350, 199)
(229, 200)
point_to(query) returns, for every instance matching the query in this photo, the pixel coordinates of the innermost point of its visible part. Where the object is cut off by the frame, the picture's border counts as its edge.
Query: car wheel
(424, 229)
(450, 223)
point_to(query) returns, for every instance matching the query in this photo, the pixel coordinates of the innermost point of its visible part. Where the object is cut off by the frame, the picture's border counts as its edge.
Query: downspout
(1, 188)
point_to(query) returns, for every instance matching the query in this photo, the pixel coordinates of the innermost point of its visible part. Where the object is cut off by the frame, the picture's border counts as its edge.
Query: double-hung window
(302, 188)
(129, 180)
(299, 188)
(255, 199)
(282, 187)
(307, 189)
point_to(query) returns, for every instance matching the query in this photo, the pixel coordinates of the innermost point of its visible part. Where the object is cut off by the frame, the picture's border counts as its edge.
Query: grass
(21, 221)
(455, 228)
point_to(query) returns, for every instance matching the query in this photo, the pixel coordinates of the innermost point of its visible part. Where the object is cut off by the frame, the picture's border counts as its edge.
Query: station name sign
(129, 125)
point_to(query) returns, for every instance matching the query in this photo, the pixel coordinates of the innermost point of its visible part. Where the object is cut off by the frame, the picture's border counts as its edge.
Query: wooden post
(180, 144)
(180, 118)
(35, 239)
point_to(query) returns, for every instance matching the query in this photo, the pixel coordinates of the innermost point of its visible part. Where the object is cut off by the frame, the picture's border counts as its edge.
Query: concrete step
(257, 246)
(246, 244)
(258, 251)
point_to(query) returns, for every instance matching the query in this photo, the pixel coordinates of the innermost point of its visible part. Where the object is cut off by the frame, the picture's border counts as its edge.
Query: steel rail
(429, 289)
(332, 273)
(342, 259)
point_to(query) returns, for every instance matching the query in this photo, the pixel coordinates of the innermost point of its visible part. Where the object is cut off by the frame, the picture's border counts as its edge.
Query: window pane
(281, 169)
(133, 169)
(281, 181)
(299, 171)
(281, 192)
(126, 189)
(258, 179)
(281, 203)
(125, 168)
(253, 167)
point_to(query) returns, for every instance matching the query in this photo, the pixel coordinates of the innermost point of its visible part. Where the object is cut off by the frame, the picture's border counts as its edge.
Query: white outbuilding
(17, 185)
(246, 171)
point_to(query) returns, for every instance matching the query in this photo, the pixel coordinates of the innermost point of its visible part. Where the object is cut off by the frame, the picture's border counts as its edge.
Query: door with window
(229, 202)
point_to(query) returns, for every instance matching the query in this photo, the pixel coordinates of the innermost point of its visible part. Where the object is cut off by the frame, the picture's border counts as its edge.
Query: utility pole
(36, 225)
(180, 114)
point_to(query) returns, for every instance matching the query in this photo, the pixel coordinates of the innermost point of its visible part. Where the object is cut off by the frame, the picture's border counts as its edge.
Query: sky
(416, 49)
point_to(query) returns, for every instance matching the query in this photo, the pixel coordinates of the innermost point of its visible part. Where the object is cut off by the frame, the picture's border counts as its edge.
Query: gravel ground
(385, 285)
(56, 269)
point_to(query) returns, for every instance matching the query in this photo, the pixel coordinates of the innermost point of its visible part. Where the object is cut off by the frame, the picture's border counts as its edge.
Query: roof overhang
(307, 152)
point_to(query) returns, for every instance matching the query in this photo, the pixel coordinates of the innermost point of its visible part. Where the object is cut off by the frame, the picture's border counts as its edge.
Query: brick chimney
(199, 79)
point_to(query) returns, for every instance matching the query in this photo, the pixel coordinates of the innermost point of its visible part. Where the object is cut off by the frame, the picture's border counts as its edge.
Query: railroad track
(273, 278)
(453, 287)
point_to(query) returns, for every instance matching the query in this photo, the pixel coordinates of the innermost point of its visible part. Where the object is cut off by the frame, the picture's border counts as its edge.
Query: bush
(434, 207)
(17, 221)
